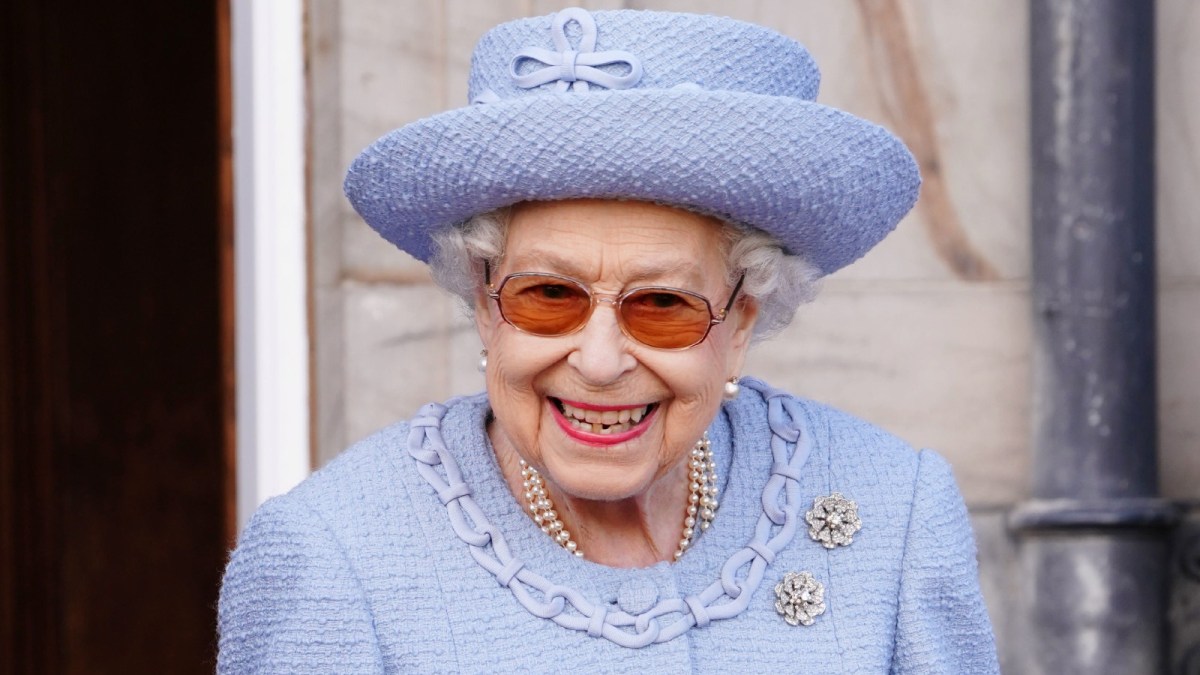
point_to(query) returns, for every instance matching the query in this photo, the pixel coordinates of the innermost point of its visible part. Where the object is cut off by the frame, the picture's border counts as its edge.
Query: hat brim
(828, 185)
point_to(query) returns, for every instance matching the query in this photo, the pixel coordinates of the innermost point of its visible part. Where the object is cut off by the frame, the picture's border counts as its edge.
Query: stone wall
(928, 336)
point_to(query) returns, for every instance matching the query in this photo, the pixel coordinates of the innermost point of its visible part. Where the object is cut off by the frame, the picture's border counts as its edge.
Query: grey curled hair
(779, 282)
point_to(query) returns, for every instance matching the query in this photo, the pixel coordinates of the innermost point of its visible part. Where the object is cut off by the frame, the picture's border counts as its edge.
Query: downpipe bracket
(1099, 514)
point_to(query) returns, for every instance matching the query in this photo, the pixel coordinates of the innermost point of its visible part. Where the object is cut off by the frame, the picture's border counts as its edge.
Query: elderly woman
(631, 201)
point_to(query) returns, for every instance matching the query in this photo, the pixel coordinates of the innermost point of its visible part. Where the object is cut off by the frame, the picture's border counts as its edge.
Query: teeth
(603, 422)
(599, 428)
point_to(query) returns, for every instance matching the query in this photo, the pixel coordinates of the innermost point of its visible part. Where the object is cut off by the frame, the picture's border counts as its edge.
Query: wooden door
(115, 334)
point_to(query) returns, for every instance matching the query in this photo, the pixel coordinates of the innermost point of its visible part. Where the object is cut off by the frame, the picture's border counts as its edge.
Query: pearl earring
(482, 360)
(732, 388)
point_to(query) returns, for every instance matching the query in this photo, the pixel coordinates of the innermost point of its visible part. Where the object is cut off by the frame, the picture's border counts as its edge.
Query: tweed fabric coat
(358, 570)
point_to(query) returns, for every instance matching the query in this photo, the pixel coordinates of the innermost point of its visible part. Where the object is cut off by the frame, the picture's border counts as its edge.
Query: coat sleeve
(290, 602)
(942, 625)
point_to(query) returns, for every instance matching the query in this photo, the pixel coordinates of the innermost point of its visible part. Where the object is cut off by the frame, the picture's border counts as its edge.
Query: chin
(600, 480)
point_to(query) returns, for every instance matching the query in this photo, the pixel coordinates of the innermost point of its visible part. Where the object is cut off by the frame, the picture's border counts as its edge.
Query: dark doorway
(115, 334)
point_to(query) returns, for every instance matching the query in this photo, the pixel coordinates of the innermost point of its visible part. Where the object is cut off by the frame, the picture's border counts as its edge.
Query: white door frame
(270, 259)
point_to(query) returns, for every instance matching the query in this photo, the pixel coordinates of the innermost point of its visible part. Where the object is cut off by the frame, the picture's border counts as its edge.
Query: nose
(601, 353)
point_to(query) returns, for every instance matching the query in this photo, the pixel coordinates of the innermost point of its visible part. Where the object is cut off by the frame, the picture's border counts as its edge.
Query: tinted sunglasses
(551, 305)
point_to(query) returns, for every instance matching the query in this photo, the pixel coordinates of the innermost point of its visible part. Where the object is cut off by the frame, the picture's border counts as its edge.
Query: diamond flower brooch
(801, 598)
(833, 521)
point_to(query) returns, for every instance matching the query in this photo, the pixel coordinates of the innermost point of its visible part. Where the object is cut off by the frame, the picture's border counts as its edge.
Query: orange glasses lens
(550, 306)
(666, 318)
(544, 305)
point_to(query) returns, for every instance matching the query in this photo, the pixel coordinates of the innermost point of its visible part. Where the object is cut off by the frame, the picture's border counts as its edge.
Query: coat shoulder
(856, 447)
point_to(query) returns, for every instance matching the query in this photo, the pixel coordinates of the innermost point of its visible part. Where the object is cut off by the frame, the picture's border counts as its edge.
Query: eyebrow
(649, 271)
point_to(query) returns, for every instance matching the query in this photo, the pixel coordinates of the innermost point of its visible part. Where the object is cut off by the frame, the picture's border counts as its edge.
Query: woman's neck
(635, 532)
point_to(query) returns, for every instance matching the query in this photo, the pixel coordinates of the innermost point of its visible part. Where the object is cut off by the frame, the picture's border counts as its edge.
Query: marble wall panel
(1179, 389)
(401, 348)
(328, 375)
(468, 21)
(367, 257)
(536, 7)
(392, 57)
(325, 201)
(975, 60)
(392, 61)
(1178, 142)
(941, 364)
(1178, 232)
(997, 562)
(325, 208)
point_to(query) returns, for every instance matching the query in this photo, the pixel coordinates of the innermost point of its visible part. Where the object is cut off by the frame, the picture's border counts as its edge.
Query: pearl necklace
(701, 505)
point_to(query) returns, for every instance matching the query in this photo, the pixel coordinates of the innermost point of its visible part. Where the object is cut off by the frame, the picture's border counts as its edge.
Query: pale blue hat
(706, 113)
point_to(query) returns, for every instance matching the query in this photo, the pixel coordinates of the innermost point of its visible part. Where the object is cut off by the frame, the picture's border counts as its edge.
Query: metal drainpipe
(1092, 544)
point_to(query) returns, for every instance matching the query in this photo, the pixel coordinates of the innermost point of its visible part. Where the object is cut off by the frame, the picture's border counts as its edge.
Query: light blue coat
(362, 569)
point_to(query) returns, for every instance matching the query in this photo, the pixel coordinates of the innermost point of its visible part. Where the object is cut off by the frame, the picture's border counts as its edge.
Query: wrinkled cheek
(702, 403)
(505, 386)
(519, 412)
(511, 368)
(688, 419)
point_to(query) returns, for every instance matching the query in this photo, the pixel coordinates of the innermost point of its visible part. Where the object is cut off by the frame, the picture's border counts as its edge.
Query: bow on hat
(573, 69)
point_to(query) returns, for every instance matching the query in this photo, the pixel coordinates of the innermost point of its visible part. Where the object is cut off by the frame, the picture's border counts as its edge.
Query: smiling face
(601, 415)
